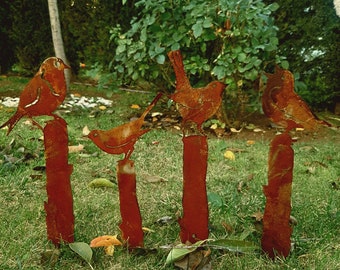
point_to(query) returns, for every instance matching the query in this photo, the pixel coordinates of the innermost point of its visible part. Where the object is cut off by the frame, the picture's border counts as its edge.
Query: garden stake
(276, 227)
(59, 205)
(196, 105)
(194, 223)
(284, 107)
(131, 224)
(121, 140)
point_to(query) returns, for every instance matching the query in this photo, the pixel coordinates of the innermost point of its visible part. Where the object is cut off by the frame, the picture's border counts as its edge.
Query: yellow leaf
(250, 142)
(229, 155)
(86, 131)
(145, 229)
(213, 126)
(234, 130)
(102, 107)
(105, 241)
(109, 250)
(135, 106)
(75, 148)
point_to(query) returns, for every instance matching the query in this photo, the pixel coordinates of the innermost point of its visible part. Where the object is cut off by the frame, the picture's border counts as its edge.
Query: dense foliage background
(126, 42)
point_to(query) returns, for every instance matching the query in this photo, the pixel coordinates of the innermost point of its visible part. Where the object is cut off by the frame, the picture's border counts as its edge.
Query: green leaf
(143, 35)
(274, 6)
(285, 64)
(83, 250)
(101, 182)
(181, 250)
(233, 245)
(160, 59)
(215, 199)
(241, 57)
(175, 46)
(207, 23)
(197, 29)
(121, 48)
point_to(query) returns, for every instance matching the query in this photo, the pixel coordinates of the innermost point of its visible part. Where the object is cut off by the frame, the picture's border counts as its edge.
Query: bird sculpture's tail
(152, 104)
(13, 121)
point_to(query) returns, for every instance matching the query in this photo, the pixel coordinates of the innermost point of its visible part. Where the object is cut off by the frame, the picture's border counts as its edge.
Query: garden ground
(234, 189)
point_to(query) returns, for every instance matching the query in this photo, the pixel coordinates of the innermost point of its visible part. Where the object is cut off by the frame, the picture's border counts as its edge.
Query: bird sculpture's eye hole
(57, 64)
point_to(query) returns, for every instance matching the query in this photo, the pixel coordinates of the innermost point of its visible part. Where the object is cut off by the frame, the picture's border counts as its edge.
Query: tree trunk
(57, 38)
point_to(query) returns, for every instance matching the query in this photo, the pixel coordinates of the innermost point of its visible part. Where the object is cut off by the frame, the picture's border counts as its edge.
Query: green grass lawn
(234, 188)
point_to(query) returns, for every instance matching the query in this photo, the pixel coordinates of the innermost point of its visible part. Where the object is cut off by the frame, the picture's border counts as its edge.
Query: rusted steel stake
(276, 228)
(131, 225)
(194, 223)
(59, 205)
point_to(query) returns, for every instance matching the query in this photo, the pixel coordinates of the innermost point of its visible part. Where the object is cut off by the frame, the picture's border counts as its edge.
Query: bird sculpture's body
(121, 139)
(194, 104)
(283, 106)
(43, 94)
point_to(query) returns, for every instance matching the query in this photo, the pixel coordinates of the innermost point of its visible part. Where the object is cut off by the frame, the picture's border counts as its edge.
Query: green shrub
(232, 41)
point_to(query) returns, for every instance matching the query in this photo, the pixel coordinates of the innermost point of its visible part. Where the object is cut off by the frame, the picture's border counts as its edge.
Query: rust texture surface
(276, 227)
(59, 205)
(194, 223)
(131, 225)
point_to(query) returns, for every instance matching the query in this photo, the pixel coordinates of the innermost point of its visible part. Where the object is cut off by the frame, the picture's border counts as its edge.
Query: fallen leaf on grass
(50, 257)
(83, 250)
(257, 215)
(181, 250)
(250, 142)
(135, 106)
(154, 179)
(258, 130)
(75, 148)
(106, 241)
(199, 259)
(229, 155)
(165, 220)
(86, 131)
(234, 130)
(147, 230)
(233, 245)
(101, 182)
(227, 227)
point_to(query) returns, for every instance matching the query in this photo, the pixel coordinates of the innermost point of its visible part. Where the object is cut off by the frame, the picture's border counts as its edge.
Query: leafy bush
(232, 41)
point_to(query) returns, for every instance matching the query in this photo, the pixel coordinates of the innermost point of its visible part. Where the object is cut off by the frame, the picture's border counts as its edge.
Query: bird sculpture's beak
(66, 66)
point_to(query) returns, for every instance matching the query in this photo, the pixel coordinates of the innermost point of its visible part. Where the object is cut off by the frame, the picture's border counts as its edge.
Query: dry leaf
(199, 259)
(234, 130)
(258, 216)
(258, 130)
(250, 142)
(154, 179)
(105, 241)
(227, 227)
(75, 148)
(135, 106)
(214, 126)
(109, 250)
(147, 230)
(154, 114)
(229, 155)
(86, 131)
